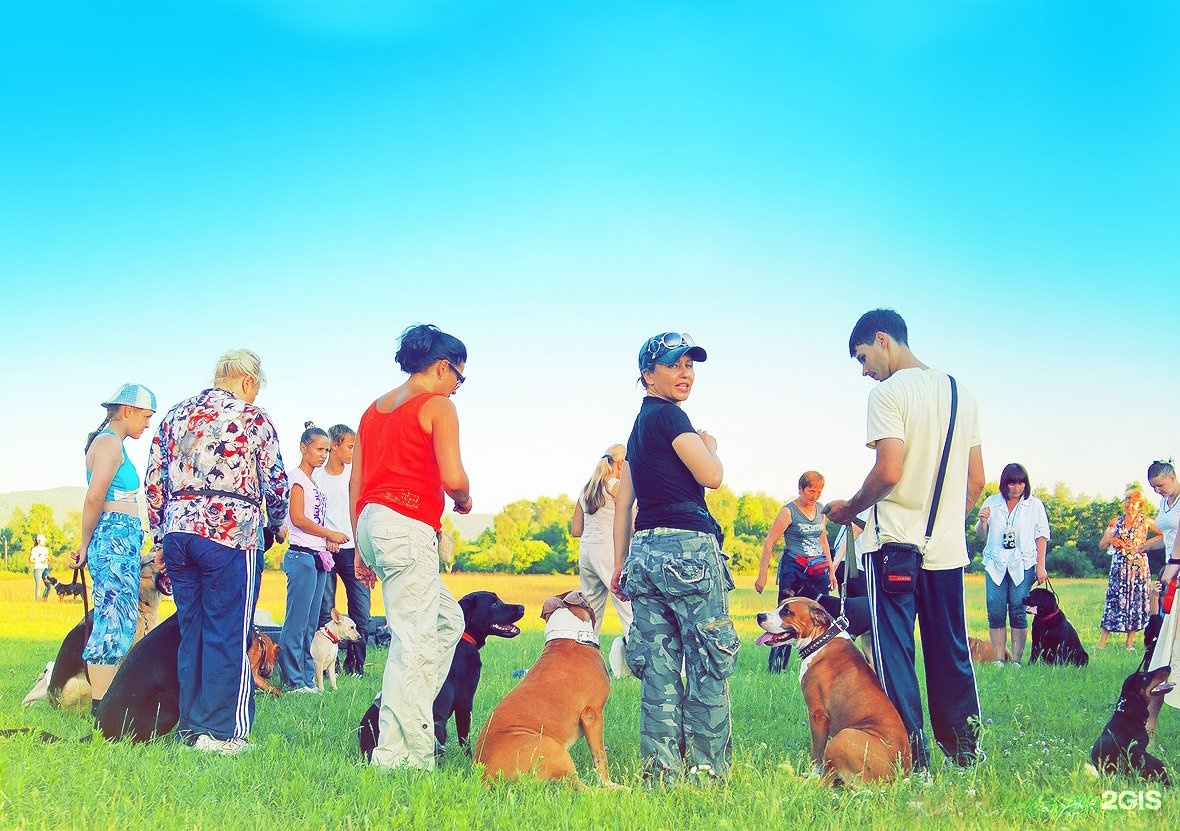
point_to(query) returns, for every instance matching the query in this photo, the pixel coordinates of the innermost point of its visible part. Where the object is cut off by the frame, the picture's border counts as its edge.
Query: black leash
(87, 621)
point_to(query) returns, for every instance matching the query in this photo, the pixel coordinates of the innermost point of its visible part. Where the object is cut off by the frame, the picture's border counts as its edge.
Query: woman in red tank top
(406, 458)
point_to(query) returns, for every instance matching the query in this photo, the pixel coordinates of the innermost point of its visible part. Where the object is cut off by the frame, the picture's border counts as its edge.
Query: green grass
(304, 771)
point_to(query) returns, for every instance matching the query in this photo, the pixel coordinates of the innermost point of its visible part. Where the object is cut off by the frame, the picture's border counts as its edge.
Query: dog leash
(87, 621)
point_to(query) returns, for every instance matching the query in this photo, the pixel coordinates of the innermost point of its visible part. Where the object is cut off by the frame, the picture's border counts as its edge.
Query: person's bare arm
(885, 474)
(624, 525)
(444, 426)
(698, 451)
(108, 456)
(577, 524)
(975, 480)
(777, 528)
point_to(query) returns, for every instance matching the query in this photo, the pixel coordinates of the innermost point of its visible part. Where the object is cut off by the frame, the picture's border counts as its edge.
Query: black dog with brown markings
(63, 590)
(1122, 745)
(1054, 640)
(484, 615)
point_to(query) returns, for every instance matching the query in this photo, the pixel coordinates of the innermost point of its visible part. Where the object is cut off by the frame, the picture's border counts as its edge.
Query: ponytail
(595, 492)
(112, 411)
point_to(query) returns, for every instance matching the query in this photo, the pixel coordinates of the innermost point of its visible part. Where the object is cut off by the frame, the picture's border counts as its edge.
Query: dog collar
(328, 633)
(467, 637)
(834, 631)
(579, 635)
(1050, 616)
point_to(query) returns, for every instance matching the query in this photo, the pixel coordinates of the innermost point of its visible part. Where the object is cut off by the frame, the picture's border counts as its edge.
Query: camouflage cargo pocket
(720, 641)
(635, 654)
(678, 578)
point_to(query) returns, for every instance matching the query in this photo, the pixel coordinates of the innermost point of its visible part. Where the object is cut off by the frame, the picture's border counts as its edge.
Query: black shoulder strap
(946, 455)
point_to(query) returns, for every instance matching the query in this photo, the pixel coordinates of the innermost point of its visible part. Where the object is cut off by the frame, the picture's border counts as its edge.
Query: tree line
(533, 536)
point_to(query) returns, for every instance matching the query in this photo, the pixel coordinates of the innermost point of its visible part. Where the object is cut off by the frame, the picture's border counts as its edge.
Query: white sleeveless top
(599, 527)
(1168, 521)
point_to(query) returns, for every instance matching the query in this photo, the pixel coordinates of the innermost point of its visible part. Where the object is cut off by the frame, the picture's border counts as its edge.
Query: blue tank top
(802, 535)
(125, 486)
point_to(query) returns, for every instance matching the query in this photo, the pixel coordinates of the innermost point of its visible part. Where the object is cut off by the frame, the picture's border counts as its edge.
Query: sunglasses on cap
(667, 342)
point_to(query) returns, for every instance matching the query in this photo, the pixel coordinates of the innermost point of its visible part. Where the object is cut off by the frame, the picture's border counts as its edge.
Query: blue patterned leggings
(113, 560)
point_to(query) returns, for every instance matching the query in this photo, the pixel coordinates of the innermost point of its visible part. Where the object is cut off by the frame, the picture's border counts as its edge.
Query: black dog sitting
(144, 698)
(1054, 640)
(484, 615)
(1122, 746)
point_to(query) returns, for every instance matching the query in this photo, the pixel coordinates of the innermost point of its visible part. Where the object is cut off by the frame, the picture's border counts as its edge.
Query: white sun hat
(133, 395)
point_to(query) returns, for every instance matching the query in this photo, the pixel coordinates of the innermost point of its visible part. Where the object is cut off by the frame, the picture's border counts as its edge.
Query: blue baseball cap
(133, 395)
(667, 349)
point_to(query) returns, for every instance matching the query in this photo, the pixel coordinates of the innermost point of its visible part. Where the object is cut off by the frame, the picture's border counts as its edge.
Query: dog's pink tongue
(763, 639)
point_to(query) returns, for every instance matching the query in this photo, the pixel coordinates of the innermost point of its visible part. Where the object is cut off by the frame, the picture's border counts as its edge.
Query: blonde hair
(237, 363)
(595, 493)
(1136, 498)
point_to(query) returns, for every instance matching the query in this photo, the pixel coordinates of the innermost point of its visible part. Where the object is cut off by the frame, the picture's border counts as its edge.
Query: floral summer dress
(1126, 591)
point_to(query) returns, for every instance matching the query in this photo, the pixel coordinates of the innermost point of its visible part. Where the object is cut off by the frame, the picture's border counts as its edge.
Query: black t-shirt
(668, 494)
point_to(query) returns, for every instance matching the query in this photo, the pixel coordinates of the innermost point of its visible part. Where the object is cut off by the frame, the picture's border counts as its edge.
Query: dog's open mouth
(1164, 688)
(504, 630)
(164, 584)
(775, 638)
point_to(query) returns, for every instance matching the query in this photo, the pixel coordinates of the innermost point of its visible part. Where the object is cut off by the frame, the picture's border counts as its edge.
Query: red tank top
(398, 467)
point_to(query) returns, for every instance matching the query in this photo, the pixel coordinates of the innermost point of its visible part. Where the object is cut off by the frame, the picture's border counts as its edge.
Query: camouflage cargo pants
(679, 584)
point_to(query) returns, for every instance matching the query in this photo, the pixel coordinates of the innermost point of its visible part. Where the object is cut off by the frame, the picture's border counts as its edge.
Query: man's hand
(840, 512)
(363, 573)
(616, 585)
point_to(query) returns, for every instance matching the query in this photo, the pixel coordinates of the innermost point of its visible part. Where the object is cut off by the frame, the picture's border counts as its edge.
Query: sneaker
(1016, 664)
(226, 747)
(314, 690)
(618, 664)
(999, 663)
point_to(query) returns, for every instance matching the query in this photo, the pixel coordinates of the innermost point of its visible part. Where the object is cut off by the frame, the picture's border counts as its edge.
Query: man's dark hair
(878, 320)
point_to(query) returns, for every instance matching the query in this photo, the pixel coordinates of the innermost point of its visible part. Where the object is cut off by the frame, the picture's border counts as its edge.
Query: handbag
(902, 561)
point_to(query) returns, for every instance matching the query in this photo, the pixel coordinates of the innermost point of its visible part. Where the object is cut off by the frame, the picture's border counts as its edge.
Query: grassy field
(305, 772)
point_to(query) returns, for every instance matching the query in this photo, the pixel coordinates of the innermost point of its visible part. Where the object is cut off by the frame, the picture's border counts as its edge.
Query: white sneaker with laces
(226, 747)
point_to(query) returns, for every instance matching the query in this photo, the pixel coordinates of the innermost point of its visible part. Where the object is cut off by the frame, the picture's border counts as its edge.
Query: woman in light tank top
(805, 569)
(593, 524)
(112, 536)
(1162, 478)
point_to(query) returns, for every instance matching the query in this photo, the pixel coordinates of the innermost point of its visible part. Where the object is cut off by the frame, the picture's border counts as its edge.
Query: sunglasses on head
(668, 340)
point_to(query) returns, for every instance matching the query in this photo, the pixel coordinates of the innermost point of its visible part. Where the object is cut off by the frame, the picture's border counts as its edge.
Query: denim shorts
(1009, 597)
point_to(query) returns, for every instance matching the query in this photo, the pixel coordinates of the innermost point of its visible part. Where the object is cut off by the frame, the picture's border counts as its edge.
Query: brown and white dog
(325, 646)
(560, 699)
(856, 733)
(64, 683)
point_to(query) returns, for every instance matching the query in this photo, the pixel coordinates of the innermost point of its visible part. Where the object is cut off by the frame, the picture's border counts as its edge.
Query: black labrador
(143, 700)
(1122, 745)
(1054, 640)
(484, 615)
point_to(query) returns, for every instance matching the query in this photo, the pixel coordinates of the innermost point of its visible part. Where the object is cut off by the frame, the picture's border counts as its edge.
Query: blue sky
(553, 183)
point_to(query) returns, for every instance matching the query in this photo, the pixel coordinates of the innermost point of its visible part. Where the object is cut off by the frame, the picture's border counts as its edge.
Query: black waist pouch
(900, 563)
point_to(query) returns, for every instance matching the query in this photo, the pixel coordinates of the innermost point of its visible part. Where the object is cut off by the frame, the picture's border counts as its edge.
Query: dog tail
(43, 735)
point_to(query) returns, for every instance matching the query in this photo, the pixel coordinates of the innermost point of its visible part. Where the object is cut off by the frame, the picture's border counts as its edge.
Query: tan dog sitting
(856, 733)
(982, 652)
(325, 646)
(559, 700)
(263, 654)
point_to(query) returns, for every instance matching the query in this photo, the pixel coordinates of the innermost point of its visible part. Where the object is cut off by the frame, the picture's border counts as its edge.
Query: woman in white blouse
(1016, 528)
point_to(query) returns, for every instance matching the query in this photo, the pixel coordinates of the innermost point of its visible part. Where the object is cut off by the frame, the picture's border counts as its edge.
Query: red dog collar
(328, 633)
(1050, 616)
(469, 639)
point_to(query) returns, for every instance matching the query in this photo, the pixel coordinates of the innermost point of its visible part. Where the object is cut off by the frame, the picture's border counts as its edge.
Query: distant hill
(64, 500)
(61, 500)
(471, 525)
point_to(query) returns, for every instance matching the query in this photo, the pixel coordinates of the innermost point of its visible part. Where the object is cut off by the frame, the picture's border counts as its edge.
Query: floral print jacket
(214, 463)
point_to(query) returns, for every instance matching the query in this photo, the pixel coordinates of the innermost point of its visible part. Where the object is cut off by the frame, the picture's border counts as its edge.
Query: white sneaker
(999, 663)
(226, 747)
(618, 664)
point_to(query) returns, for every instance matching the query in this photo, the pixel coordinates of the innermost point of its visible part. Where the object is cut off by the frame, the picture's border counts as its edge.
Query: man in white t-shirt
(908, 417)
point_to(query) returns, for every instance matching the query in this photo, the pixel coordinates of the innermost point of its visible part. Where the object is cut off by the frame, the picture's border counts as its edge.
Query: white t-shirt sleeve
(1041, 522)
(885, 417)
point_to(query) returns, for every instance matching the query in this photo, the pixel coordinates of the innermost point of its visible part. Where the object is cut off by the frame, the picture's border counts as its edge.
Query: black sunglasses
(458, 375)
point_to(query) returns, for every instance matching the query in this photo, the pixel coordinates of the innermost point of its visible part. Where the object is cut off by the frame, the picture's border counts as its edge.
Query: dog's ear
(576, 598)
(820, 618)
(335, 616)
(551, 606)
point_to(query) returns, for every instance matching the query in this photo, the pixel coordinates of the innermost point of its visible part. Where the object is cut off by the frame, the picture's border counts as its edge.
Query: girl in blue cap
(112, 536)
(674, 572)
